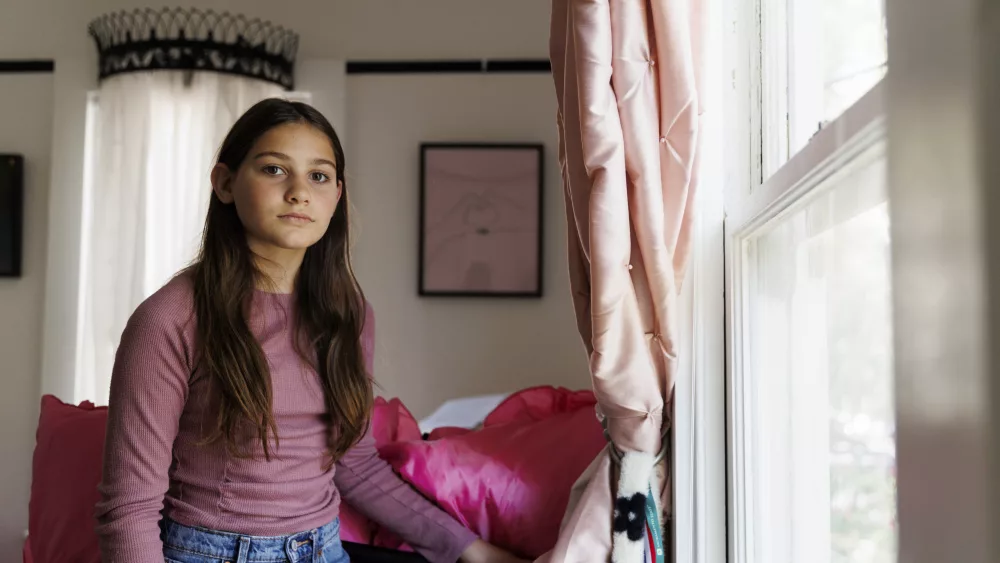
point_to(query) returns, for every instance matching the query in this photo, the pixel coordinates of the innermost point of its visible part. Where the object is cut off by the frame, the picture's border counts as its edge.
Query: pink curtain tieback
(616, 454)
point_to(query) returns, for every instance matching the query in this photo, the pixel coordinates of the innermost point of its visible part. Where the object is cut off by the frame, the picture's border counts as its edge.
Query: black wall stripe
(415, 67)
(366, 67)
(26, 66)
(541, 65)
(447, 67)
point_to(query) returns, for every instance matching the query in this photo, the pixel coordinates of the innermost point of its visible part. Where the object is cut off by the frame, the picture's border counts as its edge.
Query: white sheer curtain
(152, 142)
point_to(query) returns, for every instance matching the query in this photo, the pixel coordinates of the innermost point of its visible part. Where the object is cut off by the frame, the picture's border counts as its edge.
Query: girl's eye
(320, 177)
(273, 170)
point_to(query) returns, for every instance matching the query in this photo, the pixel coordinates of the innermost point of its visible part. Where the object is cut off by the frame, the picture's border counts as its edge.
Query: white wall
(25, 128)
(430, 349)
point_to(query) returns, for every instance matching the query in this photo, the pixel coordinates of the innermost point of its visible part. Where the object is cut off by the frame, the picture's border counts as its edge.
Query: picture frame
(481, 220)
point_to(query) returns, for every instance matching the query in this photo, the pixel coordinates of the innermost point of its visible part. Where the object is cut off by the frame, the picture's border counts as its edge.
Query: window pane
(820, 416)
(837, 54)
(854, 51)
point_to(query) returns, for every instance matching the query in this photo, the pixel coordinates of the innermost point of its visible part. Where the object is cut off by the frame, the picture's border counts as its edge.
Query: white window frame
(761, 183)
(699, 433)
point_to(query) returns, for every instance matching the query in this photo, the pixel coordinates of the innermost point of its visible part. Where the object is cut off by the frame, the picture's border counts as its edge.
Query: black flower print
(630, 516)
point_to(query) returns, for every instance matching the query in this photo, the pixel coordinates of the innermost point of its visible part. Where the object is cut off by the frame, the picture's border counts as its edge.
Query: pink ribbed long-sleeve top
(153, 460)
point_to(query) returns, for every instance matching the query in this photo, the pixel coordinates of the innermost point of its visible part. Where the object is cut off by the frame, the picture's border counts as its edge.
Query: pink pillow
(393, 422)
(26, 553)
(508, 482)
(66, 470)
(539, 403)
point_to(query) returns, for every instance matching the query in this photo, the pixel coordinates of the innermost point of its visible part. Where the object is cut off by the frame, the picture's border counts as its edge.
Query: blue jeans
(186, 544)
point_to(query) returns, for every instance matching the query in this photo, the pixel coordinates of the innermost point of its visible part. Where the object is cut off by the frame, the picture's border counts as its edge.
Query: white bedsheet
(466, 412)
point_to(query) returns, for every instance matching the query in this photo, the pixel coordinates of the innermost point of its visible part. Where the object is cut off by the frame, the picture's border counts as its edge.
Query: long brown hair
(329, 306)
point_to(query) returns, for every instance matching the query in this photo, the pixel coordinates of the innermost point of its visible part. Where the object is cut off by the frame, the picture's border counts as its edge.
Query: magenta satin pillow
(510, 481)
(393, 422)
(539, 403)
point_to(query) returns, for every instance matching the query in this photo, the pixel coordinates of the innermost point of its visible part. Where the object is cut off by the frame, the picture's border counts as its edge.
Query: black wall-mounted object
(30, 66)
(194, 40)
(11, 213)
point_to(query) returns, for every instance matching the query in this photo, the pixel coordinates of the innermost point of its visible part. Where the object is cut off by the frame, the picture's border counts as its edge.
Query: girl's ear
(222, 183)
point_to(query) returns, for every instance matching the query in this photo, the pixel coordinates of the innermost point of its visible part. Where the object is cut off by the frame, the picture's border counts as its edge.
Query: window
(809, 326)
(820, 404)
(817, 58)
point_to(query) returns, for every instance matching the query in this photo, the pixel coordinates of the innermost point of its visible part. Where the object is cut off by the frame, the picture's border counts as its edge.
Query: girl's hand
(482, 552)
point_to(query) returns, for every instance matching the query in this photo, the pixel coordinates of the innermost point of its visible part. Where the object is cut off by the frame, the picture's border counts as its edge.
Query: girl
(241, 395)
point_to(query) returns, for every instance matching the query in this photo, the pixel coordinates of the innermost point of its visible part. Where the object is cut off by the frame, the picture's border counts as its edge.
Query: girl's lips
(295, 217)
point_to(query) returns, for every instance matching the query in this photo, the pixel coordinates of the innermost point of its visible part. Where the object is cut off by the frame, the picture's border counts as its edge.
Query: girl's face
(285, 191)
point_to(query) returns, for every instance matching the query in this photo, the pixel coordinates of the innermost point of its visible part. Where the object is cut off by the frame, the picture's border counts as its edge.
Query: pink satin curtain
(625, 77)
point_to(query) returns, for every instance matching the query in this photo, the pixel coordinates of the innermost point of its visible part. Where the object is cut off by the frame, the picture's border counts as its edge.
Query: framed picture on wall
(481, 220)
